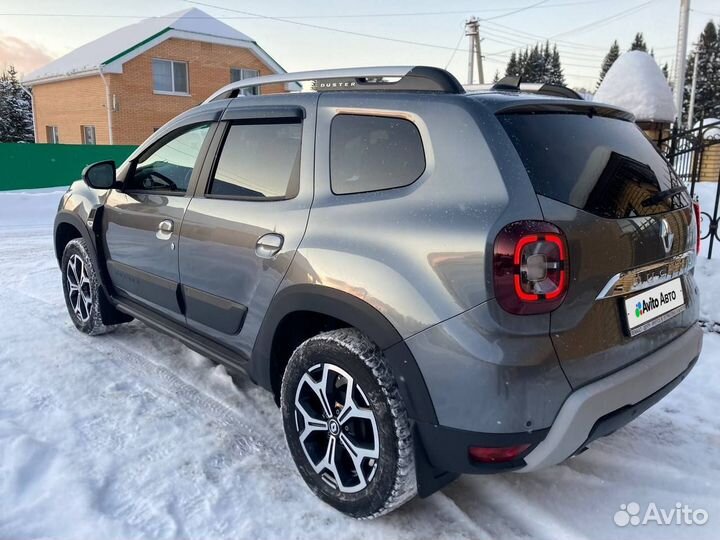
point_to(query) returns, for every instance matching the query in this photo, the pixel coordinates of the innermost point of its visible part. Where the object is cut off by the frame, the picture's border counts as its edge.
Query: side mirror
(100, 175)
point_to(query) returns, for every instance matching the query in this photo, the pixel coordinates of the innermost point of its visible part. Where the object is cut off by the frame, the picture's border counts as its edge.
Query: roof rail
(515, 84)
(409, 79)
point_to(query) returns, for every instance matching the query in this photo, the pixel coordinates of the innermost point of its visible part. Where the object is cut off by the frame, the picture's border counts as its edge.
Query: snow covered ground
(132, 435)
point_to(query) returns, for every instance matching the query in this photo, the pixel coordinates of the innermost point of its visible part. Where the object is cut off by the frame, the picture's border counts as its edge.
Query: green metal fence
(28, 166)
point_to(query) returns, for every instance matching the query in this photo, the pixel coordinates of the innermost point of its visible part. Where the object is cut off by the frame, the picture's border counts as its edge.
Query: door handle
(165, 229)
(268, 245)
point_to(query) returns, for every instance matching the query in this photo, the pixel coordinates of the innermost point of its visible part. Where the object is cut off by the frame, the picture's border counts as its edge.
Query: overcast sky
(33, 32)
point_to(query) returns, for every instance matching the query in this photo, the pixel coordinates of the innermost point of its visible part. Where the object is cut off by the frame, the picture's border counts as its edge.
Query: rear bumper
(604, 405)
(588, 413)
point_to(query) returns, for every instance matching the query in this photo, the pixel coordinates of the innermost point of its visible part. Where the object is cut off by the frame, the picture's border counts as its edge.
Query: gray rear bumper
(584, 407)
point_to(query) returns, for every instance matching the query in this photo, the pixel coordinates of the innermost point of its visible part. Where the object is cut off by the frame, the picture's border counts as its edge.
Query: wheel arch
(316, 308)
(69, 227)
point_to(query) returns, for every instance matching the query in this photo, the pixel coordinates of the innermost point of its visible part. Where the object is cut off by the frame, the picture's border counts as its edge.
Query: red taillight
(496, 455)
(698, 217)
(530, 267)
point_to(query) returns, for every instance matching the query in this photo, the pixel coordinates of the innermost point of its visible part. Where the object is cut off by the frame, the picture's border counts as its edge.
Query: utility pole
(472, 31)
(691, 108)
(680, 58)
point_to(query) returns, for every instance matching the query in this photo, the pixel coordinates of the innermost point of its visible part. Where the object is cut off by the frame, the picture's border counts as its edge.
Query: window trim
(55, 130)
(83, 127)
(197, 169)
(253, 90)
(377, 114)
(172, 92)
(218, 154)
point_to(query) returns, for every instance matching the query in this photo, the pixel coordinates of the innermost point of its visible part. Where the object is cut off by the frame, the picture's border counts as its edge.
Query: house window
(88, 134)
(239, 74)
(53, 135)
(170, 77)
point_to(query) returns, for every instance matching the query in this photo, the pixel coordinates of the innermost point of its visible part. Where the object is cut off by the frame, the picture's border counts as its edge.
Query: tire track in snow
(245, 438)
(499, 495)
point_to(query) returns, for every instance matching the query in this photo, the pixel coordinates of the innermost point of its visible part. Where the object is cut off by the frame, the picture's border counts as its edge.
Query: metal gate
(695, 156)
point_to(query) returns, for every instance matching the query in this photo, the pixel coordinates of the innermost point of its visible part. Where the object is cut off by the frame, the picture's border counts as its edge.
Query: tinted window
(603, 165)
(259, 161)
(170, 167)
(370, 153)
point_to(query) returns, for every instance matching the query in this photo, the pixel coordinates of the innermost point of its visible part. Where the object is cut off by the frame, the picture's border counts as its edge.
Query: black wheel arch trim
(96, 252)
(358, 314)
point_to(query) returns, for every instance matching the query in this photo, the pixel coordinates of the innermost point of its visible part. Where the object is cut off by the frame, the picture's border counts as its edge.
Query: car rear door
(141, 221)
(248, 215)
(628, 221)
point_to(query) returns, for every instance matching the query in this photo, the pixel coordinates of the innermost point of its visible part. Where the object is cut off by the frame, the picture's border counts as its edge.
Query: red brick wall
(141, 110)
(68, 105)
(75, 102)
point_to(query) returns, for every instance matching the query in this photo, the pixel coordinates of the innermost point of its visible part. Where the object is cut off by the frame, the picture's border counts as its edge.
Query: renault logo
(666, 235)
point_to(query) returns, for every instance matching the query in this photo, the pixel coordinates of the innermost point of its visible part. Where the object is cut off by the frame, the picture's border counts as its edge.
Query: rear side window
(259, 161)
(605, 166)
(372, 153)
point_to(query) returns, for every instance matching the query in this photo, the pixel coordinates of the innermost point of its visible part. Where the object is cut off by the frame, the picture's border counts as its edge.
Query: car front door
(141, 221)
(248, 216)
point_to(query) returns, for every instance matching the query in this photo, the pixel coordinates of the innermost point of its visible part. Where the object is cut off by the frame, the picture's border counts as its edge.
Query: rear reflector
(530, 271)
(496, 455)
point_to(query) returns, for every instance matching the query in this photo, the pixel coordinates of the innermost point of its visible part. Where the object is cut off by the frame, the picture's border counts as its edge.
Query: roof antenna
(510, 82)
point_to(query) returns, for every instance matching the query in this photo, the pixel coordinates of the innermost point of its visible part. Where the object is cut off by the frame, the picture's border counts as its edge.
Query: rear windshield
(602, 165)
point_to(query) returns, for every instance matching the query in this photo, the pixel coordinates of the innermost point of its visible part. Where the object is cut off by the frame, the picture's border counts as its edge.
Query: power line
(519, 10)
(605, 20)
(462, 35)
(321, 27)
(510, 11)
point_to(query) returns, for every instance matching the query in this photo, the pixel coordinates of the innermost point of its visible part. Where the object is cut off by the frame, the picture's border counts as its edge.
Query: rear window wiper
(660, 196)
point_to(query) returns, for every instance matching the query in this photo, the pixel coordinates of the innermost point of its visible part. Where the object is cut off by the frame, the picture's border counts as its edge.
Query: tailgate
(629, 226)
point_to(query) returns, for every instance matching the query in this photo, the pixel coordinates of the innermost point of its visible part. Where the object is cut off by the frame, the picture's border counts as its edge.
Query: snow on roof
(635, 82)
(113, 46)
(712, 132)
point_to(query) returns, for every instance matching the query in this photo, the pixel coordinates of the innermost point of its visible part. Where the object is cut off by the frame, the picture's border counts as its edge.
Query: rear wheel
(346, 425)
(82, 289)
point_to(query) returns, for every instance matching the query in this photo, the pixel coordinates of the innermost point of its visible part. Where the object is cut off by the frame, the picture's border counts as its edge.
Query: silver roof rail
(386, 78)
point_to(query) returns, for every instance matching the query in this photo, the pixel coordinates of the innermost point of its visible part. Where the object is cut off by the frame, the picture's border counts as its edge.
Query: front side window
(373, 153)
(239, 74)
(170, 76)
(88, 134)
(259, 161)
(169, 167)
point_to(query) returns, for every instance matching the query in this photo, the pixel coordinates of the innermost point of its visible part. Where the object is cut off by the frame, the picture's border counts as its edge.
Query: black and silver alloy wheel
(82, 289)
(79, 291)
(346, 425)
(336, 428)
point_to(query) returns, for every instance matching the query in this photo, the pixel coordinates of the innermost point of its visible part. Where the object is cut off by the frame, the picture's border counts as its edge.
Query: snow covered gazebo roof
(112, 50)
(636, 83)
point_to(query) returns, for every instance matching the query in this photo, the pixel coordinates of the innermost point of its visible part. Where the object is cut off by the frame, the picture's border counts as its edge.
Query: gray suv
(431, 282)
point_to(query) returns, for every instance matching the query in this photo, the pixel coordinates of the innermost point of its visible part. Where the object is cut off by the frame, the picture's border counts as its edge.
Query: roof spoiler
(385, 78)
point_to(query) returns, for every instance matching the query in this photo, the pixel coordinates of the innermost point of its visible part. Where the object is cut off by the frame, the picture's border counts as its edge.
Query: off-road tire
(393, 481)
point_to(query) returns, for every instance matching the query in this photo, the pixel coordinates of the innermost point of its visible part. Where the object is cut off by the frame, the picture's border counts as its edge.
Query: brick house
(121, 87)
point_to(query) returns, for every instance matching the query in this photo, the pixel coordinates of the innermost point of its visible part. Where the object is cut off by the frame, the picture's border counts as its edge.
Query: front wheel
(346, 425)
(81, 286)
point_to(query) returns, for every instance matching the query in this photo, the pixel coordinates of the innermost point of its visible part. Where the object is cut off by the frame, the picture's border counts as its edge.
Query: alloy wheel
(337, 428)
(79, 291)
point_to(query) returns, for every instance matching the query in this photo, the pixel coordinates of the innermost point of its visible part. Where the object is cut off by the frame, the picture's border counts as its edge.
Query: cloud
(23, 55)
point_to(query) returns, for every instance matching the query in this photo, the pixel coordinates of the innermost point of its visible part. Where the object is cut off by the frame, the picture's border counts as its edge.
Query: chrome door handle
(165, 229)
(268, 245)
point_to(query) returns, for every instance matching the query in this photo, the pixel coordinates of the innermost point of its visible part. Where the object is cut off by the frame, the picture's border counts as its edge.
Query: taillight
(530, 267)
(698, 217)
